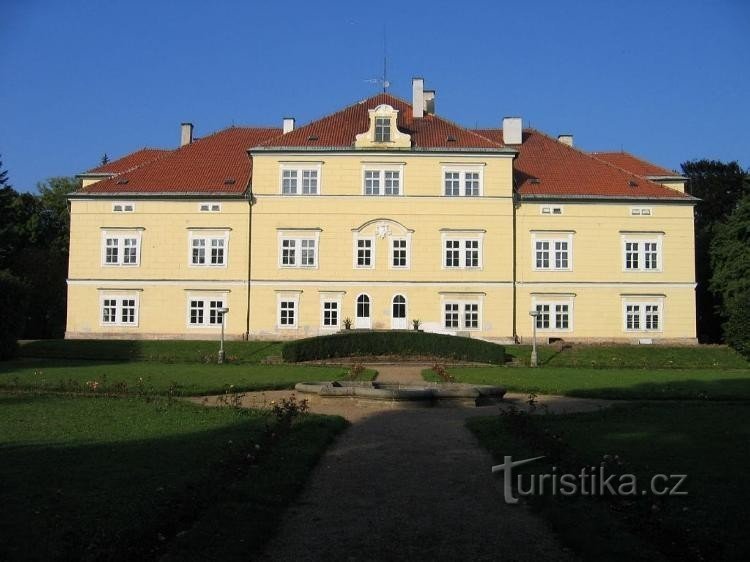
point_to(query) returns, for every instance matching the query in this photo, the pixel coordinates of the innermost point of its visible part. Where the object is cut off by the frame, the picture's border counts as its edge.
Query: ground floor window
(205, 311)
(460, 315)
(643, 316)
(330, 314)
(119, 310)
(553, 315)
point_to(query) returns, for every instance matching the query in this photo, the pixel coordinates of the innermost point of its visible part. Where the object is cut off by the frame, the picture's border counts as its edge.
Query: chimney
(565, 139)
(186, 133)
(512, 130)
(417, 96)
(429, 102)
(288, 124)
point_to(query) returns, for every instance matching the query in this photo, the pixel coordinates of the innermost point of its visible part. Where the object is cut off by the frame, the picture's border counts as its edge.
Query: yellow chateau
(378, 215)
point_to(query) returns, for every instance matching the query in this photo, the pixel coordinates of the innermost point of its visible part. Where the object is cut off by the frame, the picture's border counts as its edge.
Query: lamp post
(223, 312)
(533, 314)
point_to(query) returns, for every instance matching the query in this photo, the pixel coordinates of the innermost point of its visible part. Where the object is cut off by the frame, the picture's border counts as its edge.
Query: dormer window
(382, 129)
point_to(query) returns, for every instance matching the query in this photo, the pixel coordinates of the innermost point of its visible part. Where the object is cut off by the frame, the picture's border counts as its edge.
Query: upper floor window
(547, 210)
(382, 129)
(382, 181)
(209, 207)
(209, 249)
(123, 207)
(552, 252)
(462, 253)
(298, 248)
(642, 254)
(641, 211)
(121, 247)
(399, 253)
(303, 179)
(462, 182)
(364, 252)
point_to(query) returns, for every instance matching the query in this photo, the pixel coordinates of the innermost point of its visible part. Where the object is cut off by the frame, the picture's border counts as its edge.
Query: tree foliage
(13, 301)
(720, 186)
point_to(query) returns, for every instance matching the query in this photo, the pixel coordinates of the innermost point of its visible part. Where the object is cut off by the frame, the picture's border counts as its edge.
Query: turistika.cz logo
(590, 481)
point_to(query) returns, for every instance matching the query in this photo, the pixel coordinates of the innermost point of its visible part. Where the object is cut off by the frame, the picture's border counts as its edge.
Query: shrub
(13, 305)
(737, 328)
(400, 343)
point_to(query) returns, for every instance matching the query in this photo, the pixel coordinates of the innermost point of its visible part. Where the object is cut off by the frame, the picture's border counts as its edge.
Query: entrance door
(398, 314)
(362, 319)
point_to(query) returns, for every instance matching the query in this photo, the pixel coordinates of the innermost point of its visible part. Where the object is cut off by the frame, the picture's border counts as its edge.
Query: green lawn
(92, 478)
(705, 384)
(165, 351)
(635, 356)
(180, 378)
(707, 441)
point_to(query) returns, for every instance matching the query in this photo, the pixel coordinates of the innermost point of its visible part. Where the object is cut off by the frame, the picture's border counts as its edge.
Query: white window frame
(462, 171)
(301, 168)
(391, 252)
(208, 236)
(462, 303)
(293, 298)
(119, 298)
(642, 240)
(462, 238)
(298, 236)
(209, 207)
(120, 235)
(330, 298)
(551, 210)
(553, 302)
(123, 207)
(387, 126)
(552, 238)
(642, 303)
(381, 169)
(205, 299)
(355, 260)
(641, 211)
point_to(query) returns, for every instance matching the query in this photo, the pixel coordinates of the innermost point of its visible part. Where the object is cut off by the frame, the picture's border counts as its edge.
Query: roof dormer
(383, 132)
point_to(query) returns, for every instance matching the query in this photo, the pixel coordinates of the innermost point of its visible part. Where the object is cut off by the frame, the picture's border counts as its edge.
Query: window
(330, 314)
(553, 315)
(205, 311)
(363, 306)
(399, 306)
(209, 207)
(300, 180)
(121, 248)
(123, 207)
(119, 310)
(640, 211)
(545, 210)
(364, 249)
(382, 129)
(208, 250)
(461, 315)
(643, 316)
(642, 255)
(299, 252)
(552, 253)
(466, 182)
(399, 253)
(382, 182)
(462, 253)
(287, 313)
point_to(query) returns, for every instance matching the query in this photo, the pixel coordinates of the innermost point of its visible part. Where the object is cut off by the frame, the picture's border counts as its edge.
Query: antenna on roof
(385, 63)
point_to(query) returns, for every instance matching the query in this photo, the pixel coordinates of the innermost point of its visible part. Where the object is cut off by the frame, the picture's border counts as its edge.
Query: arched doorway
(362, 319)
(398, 313)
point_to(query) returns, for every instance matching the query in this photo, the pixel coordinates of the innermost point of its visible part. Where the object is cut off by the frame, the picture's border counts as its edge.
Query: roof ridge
(597, 160)
(634, 157)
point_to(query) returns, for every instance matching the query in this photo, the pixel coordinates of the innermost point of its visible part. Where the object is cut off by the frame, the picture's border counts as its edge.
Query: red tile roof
(217, 163)
(547, 167)
(339, 130)
(627, 161)
(129, 161)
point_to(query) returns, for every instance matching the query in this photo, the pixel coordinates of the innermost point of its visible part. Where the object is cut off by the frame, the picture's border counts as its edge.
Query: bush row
(400, 343)
(13, 301)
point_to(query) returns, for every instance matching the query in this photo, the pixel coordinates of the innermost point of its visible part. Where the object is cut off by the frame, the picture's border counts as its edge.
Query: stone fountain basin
(394, 391)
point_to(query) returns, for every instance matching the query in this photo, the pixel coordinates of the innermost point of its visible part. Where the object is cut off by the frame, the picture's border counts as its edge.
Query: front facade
(377, 216)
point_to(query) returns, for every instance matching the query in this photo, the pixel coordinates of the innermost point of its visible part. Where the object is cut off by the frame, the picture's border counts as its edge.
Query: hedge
(737, 328)
(401, 343)
(13, 301)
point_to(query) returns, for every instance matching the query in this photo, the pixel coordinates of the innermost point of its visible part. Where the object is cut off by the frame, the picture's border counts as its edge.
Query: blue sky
(666, 80)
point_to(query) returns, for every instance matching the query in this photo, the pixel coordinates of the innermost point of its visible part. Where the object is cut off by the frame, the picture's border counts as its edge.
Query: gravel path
(406, 481)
